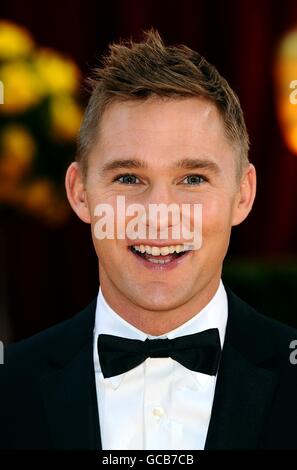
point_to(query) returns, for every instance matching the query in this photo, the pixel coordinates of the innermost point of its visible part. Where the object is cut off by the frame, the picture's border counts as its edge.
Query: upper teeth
(164, 250)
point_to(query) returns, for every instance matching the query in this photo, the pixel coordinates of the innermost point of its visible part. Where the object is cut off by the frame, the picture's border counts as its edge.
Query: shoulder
(30, 356)
(29, 364)
(256, 334)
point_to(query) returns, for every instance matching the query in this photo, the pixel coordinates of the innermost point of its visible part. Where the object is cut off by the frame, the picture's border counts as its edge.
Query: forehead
(162, 129)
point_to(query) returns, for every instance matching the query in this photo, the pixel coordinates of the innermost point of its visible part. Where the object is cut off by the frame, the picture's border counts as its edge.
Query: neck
(154, 322)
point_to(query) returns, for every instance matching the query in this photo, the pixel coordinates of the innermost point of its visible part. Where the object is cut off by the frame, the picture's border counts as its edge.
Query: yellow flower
(38, 195)
(22, 87)
(66, 117)
(15, 41)
(285, 72)
(60, 75)
(287, 47)
(40, 198)
(17, 151)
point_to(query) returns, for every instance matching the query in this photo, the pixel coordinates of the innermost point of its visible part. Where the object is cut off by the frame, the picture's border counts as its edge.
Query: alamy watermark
(293, 355)
(157, 221)
(293, 94)
(1, 92)
(1, 353)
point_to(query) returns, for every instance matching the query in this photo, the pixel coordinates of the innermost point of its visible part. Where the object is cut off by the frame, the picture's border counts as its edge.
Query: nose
(162, 211)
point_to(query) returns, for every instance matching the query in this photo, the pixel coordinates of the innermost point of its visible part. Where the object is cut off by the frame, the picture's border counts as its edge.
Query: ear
(245, 196)
(76, 192)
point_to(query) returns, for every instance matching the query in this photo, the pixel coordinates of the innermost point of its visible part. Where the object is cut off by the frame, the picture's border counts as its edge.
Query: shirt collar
(213, 315)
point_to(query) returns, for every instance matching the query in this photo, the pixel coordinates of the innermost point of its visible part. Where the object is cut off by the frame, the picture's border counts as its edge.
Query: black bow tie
(199, 352)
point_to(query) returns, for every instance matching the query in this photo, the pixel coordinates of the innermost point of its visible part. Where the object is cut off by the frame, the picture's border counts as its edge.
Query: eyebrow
(198, 164)
(184, 163)
(123, 163)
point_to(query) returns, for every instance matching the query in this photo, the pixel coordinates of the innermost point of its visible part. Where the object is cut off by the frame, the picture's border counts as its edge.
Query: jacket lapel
(245, 384)
(69, 390)
(242, 395)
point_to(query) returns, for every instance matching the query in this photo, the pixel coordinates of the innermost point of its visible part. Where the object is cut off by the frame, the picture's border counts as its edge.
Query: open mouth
(160, 256)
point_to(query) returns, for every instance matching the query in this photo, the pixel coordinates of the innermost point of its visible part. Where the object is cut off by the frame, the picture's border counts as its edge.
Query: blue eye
(194, 180)
(126, 179)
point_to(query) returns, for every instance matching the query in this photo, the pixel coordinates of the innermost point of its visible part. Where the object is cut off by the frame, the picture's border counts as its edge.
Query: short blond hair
(137, 71)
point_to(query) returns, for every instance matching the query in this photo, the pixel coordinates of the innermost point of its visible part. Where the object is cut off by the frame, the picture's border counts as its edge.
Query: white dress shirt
(159, 404)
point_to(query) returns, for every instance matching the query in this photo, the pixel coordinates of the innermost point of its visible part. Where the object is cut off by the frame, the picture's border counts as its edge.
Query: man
(166, 357)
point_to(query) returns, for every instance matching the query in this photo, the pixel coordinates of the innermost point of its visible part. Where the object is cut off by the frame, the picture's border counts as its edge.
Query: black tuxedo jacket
(48, 397)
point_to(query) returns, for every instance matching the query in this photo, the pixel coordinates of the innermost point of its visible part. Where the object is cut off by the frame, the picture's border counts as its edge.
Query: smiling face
(162, 151)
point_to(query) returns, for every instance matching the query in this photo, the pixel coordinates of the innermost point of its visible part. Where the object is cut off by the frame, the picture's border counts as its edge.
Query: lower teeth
(159, 261)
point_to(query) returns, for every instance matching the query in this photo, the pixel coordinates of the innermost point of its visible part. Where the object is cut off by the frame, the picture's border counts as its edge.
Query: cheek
(103, 217)
(111, 255)
(216, 216)
(110, 249)
(102, 227)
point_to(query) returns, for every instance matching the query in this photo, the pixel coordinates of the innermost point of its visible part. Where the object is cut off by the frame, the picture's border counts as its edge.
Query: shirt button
(158, 412)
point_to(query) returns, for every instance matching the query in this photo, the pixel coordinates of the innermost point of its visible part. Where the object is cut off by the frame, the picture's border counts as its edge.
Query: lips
(159, 262)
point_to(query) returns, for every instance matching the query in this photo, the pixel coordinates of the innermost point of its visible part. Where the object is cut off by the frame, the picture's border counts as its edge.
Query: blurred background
(48, 270)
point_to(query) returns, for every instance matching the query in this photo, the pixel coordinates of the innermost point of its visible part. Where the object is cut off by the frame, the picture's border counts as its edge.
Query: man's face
(159, 134)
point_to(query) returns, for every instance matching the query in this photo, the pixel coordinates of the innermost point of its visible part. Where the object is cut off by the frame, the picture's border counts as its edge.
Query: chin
(159, 300)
